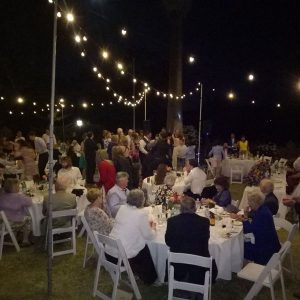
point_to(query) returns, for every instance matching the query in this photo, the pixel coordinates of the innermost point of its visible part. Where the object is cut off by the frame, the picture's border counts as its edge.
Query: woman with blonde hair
(97, 213)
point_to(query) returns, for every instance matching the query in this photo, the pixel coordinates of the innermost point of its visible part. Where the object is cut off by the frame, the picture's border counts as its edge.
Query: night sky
(229, 39)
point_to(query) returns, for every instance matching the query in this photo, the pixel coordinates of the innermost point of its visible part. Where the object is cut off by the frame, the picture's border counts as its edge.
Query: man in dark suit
(188, 233)
(271, 201)
(90, 148)
(232, 144)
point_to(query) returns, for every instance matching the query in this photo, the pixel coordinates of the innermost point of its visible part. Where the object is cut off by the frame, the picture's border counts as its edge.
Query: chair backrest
(287, 226)
(286, 246)
(195, 260)
(4, 220)
(283, 162)
(209, 166)
(273, 263)
(64, 213)
(88, 230)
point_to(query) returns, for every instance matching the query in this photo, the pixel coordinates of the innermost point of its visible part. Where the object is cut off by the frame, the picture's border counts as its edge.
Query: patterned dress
(98, 220)
(164, 192)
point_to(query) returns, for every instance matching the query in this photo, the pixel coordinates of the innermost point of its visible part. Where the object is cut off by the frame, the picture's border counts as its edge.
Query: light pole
(145, 105)
(200, 122)
(62, 104)
(51, 129)
(133, 92)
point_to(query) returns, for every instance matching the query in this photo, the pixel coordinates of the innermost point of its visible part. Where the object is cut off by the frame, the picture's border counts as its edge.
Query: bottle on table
(212, 219)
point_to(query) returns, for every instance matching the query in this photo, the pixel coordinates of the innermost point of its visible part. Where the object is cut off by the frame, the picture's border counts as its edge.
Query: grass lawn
(23, 276)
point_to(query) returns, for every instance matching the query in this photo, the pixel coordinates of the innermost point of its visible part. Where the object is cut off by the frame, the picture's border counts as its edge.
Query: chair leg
(116, 284)
(282, 286)
(85, 251)
(272, 292)
(13, 238)
(292, 264)
(97, 276)
(82, 231)
(2, 239)
(74, 239)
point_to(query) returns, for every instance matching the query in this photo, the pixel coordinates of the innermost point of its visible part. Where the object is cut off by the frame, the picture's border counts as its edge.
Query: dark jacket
(188, 233)
(124, 164)
(90, 148)
(271, 202)
(266, 239)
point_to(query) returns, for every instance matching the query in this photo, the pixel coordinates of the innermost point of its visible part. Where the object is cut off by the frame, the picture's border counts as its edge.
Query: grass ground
(23, 276)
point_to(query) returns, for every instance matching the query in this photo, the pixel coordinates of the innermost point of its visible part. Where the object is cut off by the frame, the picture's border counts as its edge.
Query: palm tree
(177, 9)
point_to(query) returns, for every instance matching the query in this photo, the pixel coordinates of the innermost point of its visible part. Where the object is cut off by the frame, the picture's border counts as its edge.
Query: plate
(237, 223)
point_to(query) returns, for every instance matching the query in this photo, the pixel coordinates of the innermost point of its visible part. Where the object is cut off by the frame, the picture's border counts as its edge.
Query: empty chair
(268, 159)
(195, 260)
(291, 229)
(282, 162)
(4, 230)
(71, 213)
(266, 275)
(114, 270)
(236, 172)
(209, 168)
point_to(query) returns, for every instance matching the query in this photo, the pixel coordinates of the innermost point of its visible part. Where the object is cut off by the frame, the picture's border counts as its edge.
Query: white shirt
(178, 152)
(46, 138)
(296, 164)
(143, 145)
(132, 228)
(40, 145)
(69, 176)
(115, 198)
(195, 181)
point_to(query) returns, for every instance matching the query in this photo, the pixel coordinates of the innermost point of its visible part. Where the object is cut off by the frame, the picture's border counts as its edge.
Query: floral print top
(98, 220)
(164, 192)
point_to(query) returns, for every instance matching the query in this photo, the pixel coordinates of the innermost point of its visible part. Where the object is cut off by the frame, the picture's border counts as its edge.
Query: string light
(20, 100)
(34, 103)
(84, 38)
(231, 95)
(70, 17)
(50, 1)
(10, 112)
(278, 105)
(99, 75)
(119, 66)
(134, 80)
(124, 32)
(253, 102)
(250, 77)
(79, 123)
(77, 38)
(58, 14)
(2, 98)
(191, 59)
(105, 54)
(82, 54)
(84, 105)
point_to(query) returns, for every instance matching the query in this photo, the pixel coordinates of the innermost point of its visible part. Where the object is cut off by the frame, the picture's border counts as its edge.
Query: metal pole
(133, 92)
(50, 198)
(63, 122)
(145, 105)
(200, 122)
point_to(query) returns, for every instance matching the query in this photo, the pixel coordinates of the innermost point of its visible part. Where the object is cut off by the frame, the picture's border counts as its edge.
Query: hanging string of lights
(81, 38)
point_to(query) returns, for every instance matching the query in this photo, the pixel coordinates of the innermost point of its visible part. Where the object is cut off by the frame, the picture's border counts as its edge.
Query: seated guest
(132, 227)
(165, 191)
(96, 213)
(160, 175)
(189, 233)
(117, 195)
(223, 196)
(61, 201)
(69, 174)
(264, 242)
(195, 180)
(15, 207)
(107, 172)
(271, 201)
(5, 162)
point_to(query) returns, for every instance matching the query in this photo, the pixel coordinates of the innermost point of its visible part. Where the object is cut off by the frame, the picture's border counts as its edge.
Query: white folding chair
(71, 213)
(236, 171)
(266, 275)
(4, 230)
(235, 203)
(114, 270)
(195, 260)
(268, 159)
(90, 240)
(282, 162)
(291, 229)
(209, 168)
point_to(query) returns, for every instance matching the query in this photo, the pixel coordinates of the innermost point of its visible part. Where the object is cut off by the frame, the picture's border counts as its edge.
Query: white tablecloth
(228, 252)
(229, 163)
(37, 207)
(279, 191)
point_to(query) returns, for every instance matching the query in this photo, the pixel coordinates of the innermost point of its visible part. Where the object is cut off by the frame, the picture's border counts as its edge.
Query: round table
(229, 163)
(227, 252)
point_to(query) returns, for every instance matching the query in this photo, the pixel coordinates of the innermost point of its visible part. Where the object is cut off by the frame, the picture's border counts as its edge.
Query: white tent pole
(50, 198)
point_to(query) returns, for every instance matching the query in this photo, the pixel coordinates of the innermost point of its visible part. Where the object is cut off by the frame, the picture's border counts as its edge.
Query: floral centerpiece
(258, 172)
(174, 201)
